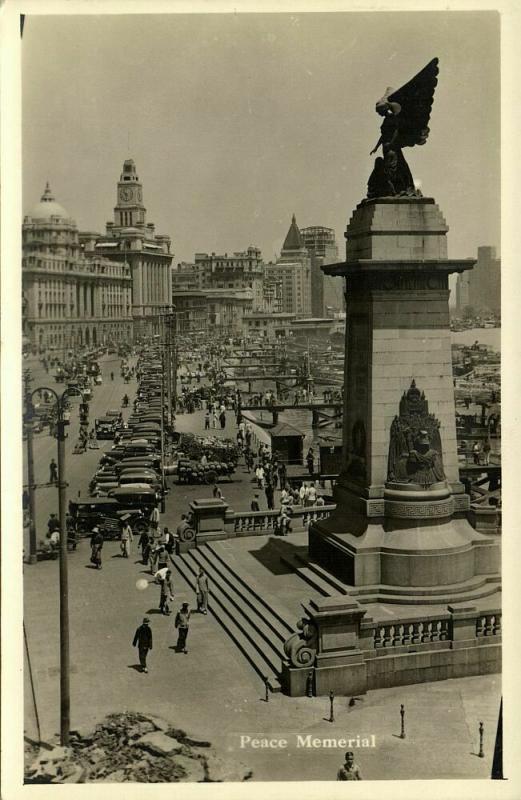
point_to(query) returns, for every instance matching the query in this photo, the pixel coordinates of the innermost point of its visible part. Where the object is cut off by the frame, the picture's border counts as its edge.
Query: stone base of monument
(439, 563)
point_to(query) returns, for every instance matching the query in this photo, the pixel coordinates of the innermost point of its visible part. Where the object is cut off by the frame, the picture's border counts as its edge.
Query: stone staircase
(256, 626)
(326, 584)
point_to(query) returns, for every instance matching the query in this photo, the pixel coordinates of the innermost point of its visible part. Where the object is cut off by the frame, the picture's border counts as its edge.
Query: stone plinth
(385, 534)
(209, 519)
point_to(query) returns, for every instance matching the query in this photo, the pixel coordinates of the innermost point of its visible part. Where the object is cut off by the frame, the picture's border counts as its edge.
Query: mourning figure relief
(415, 453)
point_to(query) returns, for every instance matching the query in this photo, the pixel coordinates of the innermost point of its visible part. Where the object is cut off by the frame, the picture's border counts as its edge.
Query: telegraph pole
(29, 416)
(65, 697)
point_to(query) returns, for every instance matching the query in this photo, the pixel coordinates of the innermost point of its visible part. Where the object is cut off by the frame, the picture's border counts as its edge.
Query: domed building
(69, 301)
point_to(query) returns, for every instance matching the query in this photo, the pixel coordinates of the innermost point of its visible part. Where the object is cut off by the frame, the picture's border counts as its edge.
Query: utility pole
(65, 697)
(29, 416)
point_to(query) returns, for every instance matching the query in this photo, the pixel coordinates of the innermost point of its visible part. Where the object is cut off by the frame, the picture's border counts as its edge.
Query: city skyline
(263, 148)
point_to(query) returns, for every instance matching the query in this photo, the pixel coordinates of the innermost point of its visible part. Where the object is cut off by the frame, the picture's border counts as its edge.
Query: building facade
(481, 286)
(240, 271)
(70, 300)
(131, 239)
(293, 270)
(326, 291)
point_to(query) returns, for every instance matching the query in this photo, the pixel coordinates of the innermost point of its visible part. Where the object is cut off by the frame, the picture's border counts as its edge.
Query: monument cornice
(360, 267)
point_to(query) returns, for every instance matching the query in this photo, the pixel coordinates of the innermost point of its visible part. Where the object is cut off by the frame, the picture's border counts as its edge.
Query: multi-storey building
(70, 300)
(481, 286)
(293, 270)
(242, 270)
(186, 276)
(326, 291)
(131, 239)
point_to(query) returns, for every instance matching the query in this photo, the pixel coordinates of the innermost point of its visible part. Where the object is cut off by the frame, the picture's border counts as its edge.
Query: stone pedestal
(388, 537)
(209, 519)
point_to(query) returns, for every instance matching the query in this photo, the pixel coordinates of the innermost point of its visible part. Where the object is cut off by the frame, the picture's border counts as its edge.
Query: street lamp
(63, 419)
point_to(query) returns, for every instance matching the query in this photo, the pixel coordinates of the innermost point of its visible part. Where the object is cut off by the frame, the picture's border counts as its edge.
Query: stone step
(254, 613)
(219, 606)
(312, 578)
(335, 583)
(472, 589)
(219, 552)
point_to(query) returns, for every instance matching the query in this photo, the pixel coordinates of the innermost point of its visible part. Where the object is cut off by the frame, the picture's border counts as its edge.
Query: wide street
(212, 692)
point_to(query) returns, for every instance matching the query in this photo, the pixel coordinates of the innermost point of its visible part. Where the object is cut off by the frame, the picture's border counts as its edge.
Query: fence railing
(260, 522)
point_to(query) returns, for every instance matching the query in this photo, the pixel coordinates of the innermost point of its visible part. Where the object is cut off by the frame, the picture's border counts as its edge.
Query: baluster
(379, 636)
(398, 635)
(388, 637)
(416, 632)
(426, 632)
(480, 626)
(497, 625)
(489, 624)
(435, 636)
(444, 630)
(407, 634)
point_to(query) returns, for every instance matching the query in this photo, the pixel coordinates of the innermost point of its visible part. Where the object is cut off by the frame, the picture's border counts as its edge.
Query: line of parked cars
(129, 482)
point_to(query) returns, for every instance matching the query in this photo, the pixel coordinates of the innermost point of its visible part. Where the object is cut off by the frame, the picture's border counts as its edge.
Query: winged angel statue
(406, 114)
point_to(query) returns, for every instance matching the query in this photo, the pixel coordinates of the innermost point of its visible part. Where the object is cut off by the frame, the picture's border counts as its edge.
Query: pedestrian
(320, 501)
(143, 640)
(310, 460)
(255, 503)
(111, 376)
(214, 419)
(302, 494)
(259, 474)
(283, 522)
(53, 524)
(349, 771)
(144, 543)
(168, 541)
(182, 623)
(486, 453)
(126, 539)
(207, 421)
(282, 474)
(154, 519)
(53, 472)
(96, 545)
(476, 450)
(270, 499)
(217, 492)
(159, 558)
(311, 497)
(167, 592)
(202, 591)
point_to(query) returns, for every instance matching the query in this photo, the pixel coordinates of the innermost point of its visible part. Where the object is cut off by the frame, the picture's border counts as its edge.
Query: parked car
(107, 514)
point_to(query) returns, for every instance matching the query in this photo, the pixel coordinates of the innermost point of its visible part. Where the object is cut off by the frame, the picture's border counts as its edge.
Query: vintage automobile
(136, 496)
(105, 428)
(107, 513)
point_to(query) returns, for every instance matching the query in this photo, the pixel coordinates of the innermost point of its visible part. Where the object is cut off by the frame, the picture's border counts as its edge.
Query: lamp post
(29, 417)
(62, 419)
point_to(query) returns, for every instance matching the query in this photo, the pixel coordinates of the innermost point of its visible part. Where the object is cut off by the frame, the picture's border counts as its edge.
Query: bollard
(402, 715)
(309, 684)
(331, 701)
(481, 753)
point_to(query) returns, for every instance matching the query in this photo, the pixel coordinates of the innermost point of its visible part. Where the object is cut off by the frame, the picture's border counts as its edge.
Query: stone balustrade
(251, 523)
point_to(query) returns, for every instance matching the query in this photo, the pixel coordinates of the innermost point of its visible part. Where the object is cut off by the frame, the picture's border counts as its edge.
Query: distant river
(488, 336)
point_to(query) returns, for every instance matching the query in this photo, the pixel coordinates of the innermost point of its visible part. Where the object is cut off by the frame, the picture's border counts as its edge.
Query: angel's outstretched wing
(415, 99)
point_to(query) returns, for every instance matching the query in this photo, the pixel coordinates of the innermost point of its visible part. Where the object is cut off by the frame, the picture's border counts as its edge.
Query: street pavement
(212, 692)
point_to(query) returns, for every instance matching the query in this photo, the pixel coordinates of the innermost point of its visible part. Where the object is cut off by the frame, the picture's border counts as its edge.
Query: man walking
(145, 544)
(167, 592)
(96, 544)
(270, 496)
(126, 539)
(53, 472)
(143, 640)
(182, 623)
(154, 519)
(202, 592)
(310, 460)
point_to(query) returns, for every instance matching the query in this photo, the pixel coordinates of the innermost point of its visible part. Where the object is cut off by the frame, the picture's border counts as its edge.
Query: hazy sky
(237, 121)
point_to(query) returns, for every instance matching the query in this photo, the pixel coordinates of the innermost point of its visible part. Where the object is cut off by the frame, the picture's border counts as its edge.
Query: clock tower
(129, 211)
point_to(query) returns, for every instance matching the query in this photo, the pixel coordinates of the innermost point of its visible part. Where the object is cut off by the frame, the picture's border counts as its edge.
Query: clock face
(126, 193)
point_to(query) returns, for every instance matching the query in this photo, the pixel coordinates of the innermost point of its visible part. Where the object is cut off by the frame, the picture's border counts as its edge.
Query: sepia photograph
(259, 321)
